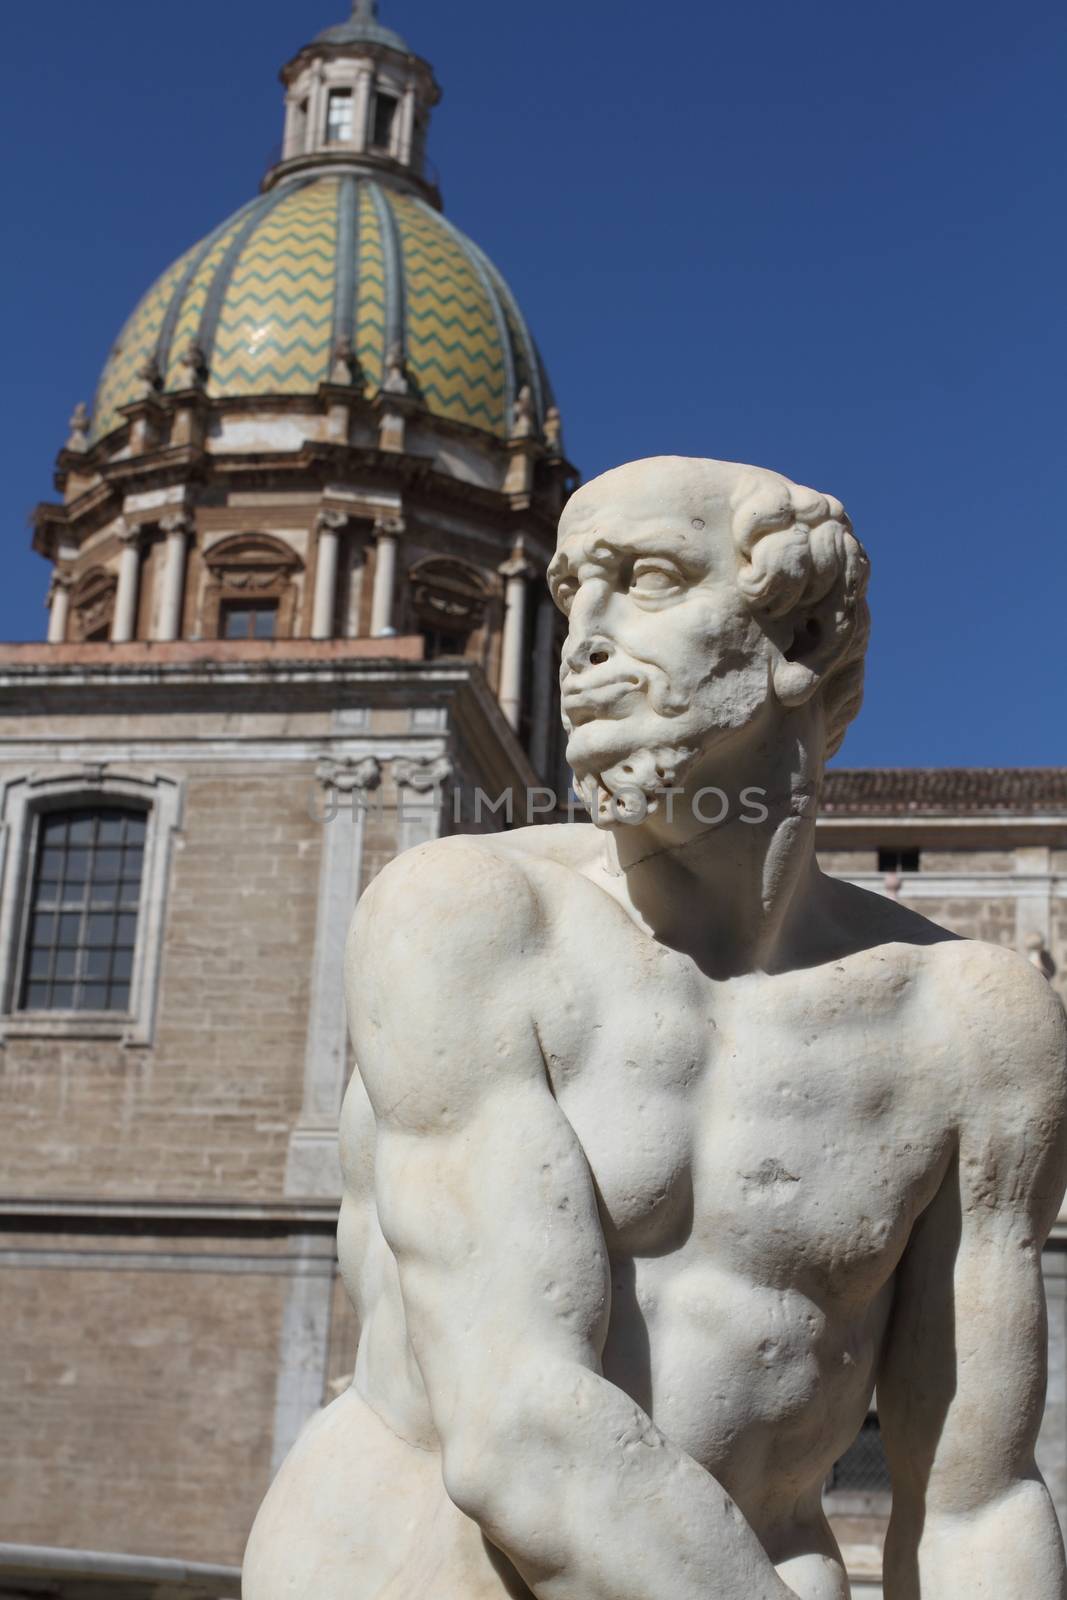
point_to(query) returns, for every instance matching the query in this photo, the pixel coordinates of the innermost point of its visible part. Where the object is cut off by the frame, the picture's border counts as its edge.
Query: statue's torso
(761, 1148)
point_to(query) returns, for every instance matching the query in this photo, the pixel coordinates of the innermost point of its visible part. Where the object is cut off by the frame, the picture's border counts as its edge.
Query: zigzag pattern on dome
(453, 339)
(276, 316)
(120, 380)
(370, 292)
(266, 295)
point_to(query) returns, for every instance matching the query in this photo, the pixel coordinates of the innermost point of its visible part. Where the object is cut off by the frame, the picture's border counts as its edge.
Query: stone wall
(137, 1382)
(206, 1108)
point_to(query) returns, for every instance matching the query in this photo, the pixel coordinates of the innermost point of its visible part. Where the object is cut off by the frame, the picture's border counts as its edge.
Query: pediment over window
(251, 588)
(252, 561)
(449, 592)
(448, 599)
(92, 604)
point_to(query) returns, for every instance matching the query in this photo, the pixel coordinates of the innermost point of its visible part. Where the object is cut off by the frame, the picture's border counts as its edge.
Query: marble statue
(665, 1147)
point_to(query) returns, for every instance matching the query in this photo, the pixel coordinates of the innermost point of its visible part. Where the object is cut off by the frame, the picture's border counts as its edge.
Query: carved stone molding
(79, 428)
(390, 527)
(176, 522)
(349, 774)
(332, 519)
(247, 565)
(421, 773)
(92, 603)
(129, 533)
(516, 566)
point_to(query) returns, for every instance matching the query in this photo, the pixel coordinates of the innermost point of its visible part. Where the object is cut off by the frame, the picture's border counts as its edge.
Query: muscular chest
(766, 1124)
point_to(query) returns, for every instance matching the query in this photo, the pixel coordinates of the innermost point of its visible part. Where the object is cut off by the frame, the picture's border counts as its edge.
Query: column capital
(389, 527)
(60, 580)
(330, 519)
(129, 534)
(516, 566)
(178, 521)
(421, 773)
(349, 774)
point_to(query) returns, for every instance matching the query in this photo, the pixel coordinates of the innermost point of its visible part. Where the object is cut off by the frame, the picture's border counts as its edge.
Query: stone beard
(663, 1147)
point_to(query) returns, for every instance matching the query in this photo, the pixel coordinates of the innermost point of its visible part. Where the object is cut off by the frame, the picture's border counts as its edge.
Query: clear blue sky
(828, 238)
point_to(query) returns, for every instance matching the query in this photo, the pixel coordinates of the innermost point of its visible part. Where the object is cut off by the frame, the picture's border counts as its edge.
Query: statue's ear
(809, 642)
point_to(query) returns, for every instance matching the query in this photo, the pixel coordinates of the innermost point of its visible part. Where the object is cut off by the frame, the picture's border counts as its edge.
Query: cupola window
(251, 590)
(339, 117)
(249, 619)
(448, 599)
(384, 117)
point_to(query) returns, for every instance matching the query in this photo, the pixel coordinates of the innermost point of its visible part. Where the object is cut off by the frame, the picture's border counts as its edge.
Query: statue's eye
(655, 579)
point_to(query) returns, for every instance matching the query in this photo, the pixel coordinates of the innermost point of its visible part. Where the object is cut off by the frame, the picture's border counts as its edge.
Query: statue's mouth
(607, 698)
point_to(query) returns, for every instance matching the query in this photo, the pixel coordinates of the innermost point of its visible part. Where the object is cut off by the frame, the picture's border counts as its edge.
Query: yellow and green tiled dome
(267, 296)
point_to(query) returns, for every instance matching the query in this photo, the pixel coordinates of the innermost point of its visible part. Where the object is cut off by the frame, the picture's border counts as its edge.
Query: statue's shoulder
(1005, 1009)
(470, 896)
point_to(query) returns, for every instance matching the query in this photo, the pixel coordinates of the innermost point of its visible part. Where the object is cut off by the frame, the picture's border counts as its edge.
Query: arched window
(92, 605)
(448, 599)
(251, 588)
(85, 896)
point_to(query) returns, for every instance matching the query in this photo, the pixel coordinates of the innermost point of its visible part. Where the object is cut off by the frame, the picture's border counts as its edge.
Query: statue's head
(701, 595)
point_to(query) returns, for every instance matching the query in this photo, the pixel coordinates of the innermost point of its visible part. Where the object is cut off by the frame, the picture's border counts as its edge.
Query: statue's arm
(962, 1387)
(486, 1201)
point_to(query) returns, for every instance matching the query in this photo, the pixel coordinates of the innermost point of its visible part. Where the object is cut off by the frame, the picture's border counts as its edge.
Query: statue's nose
(591, 651)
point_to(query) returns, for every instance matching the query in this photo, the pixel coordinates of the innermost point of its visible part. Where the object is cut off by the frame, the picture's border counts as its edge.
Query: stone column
(388, 531)
(59, 606)
(515, 573)
(544, 672)
(407, 124)
(124, 622)
(361, 109)
(419, 798)
(329, 525)
(346, 785)
(303, 1340)
(289, 136)
(176, 526)
(315, 137)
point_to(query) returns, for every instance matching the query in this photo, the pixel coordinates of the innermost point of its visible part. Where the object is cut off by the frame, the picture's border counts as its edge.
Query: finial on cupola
(364, 10)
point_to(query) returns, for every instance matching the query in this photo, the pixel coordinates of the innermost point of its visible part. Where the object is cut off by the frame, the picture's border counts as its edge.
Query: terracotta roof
(884, 791)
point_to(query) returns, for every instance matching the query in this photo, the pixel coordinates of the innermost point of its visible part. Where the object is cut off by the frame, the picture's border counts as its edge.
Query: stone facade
(981, 853)
(172, 1311)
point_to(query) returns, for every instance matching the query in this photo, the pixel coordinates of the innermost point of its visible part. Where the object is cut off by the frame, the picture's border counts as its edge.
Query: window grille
(863, 1469)
(83, 908)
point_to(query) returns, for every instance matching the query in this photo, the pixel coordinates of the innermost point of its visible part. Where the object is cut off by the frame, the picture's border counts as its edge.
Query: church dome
(260, 305)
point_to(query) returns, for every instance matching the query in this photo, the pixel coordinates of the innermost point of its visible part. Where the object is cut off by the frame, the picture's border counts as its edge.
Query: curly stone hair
(800, 562)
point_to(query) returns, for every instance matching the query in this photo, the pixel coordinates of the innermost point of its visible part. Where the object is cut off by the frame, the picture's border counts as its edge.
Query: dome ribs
(346, 264)
(395, 296)
(324, 261)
